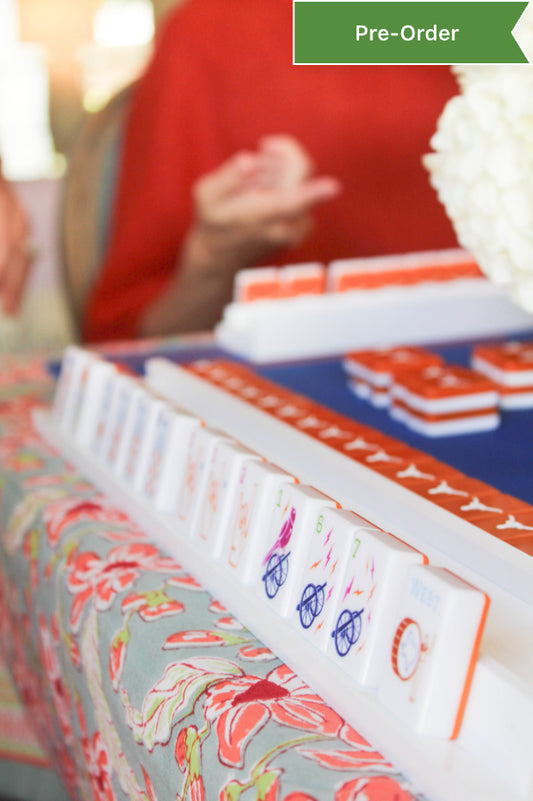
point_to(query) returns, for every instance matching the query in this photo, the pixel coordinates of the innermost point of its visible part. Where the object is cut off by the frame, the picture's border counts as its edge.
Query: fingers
(256, 202)
(226, 179)
(286, 160)
(310, 194)
(269, 206)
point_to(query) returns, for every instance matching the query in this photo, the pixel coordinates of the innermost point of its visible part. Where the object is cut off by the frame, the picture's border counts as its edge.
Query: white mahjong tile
(127, 389)
(138, 460)
(94, 439)
(438, 624)
(167, 457)
(331, 536)
(301, 279)
(280, 560)
(258, 488)
(371, 581)
(134, 424)
(71, 386)
(202, 441)
(453, 426)
(228, 460)
(511, 399)
(255, 283)
(100, 377)
(509, 364)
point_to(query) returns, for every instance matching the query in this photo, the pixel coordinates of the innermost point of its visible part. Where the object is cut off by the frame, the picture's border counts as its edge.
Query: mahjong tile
(331, 537)
(190, 493)
(458, 493)
(301, 279)
(378, 367)
(167, 457)
(134, 422)
(255, 283)
(447, 425)
(228, 460)
(119, 420)
(278, 562)
(417, 473)
(371, 581)
(71, 386)
(444, 390)
(511, 524)
(438, 622)
(140, 460)
(101, 378)
(258, 489)
(509, 364)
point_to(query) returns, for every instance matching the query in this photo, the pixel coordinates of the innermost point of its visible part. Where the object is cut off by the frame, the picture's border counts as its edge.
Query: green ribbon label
(331, 32)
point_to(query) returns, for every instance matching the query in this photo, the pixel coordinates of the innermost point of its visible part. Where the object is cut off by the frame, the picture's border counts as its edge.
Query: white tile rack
(491, 758)
(333, 323)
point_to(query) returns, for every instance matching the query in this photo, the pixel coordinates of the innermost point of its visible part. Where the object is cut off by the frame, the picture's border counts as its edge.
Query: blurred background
(60, 63)
(57, 58)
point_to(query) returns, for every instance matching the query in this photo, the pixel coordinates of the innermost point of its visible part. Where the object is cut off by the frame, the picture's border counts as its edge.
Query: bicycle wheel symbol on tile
(311, 603)
(276, 573)
(347, 631)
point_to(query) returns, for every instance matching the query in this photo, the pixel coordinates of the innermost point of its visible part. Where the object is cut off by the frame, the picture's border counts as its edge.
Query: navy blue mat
(502, 458)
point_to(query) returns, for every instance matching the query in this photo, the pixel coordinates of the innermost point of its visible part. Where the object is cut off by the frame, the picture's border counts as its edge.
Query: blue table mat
(502, 458)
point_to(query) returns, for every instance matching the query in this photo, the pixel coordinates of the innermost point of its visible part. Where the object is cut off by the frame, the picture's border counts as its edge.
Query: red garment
(222, 77)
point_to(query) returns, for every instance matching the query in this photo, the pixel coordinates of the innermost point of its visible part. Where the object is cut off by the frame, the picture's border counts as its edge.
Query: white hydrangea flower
(482, 170)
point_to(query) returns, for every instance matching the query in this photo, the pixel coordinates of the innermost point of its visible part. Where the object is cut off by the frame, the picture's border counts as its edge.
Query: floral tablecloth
(139, 684)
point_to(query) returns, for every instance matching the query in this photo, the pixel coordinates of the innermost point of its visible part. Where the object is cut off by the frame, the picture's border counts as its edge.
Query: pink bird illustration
(283, 536)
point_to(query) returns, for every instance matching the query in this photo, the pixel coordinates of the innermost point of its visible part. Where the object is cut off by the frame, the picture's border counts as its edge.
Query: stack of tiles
(406, 269)
(446, 400)
(372, 372)
(343, 275)
(503, 516)
(332, 576)
(267, 283)
(510, 366)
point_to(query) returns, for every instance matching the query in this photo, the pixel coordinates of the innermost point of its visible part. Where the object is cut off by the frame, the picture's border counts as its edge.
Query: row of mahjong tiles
(374, 272)
(502, 458)
(407, 614)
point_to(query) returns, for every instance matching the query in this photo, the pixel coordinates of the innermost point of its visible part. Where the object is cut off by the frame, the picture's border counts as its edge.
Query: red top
(222, 78)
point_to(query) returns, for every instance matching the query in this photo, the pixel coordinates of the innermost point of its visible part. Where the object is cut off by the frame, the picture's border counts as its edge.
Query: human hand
(15, 254)
(255, 203)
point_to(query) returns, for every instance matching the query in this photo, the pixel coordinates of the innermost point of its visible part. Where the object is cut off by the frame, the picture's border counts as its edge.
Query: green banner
(431, 32)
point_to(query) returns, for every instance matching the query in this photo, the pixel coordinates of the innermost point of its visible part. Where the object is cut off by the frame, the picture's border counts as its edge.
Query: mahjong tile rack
(401, 642)
(425, 297)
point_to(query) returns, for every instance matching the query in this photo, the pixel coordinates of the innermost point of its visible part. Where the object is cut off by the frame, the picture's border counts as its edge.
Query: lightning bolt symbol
(347, 590)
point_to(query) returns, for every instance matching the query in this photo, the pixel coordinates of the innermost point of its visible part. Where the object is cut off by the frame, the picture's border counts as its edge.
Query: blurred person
(234, 157)
(16, 254)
